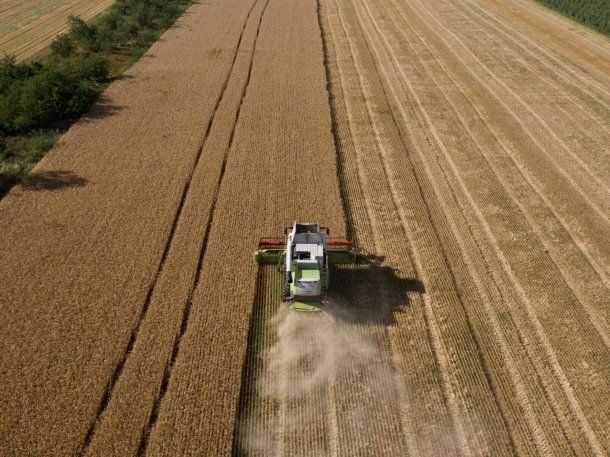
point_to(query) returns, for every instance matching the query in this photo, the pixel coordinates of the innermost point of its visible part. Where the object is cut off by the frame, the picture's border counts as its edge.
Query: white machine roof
(314, 250)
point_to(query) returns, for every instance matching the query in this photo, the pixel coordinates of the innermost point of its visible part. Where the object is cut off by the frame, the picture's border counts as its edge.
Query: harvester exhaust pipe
(289, 258)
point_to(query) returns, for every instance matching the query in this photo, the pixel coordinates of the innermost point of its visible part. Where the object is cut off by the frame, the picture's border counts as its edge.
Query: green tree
(64, 46)
(84, 34)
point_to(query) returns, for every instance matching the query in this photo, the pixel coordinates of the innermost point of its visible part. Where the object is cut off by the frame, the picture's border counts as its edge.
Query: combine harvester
(304, 256)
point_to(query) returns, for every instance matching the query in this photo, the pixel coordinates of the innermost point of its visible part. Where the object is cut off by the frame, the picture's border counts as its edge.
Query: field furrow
(125, 422)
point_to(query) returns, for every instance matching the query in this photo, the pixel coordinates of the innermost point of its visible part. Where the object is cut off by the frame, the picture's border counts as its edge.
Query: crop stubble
(423, 63)
(468, 149)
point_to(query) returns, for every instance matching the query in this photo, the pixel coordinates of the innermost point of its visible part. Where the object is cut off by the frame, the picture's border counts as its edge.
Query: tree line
(36, 95)
(594, 13)
(39, 99)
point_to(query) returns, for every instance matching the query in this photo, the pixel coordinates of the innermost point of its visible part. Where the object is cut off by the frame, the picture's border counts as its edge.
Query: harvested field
(27, 27)
(463, 146)
(473, 163)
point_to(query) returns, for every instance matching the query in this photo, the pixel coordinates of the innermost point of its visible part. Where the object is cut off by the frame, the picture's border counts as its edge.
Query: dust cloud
(326, 376)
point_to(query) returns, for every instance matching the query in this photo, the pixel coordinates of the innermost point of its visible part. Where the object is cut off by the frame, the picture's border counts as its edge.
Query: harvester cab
(304, 256)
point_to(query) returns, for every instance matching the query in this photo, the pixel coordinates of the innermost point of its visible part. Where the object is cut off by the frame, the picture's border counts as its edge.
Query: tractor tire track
(541, 334)
(187, 310)
(282, 129)
(134, 153)
(143, 313)
(345, 142)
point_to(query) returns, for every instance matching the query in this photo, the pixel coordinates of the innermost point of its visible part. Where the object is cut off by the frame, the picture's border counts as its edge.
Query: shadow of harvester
(369, 292)
(52, 180)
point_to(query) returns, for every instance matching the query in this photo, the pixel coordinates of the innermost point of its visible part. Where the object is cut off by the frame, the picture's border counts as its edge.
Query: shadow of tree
(52, 180)
(100, 109)
(8, 179)
(369, 292)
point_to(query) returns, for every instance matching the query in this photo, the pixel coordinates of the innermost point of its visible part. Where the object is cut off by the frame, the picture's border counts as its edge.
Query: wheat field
(463, 146)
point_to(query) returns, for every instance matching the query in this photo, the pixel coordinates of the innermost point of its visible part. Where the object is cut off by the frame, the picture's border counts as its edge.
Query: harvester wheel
(285, 292)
